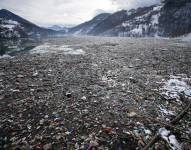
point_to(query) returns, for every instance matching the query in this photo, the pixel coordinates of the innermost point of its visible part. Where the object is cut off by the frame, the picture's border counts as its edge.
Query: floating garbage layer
(90, 92)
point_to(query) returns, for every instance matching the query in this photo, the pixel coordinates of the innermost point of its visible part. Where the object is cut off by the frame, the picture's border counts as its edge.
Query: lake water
(12, 47)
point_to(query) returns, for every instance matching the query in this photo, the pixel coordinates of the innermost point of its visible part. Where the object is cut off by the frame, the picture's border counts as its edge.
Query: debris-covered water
(95, 93)
(48, 48)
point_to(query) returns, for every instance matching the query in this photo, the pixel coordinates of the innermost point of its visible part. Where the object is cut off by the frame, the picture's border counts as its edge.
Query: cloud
(50, 12)
(129, 4)
(99, 11)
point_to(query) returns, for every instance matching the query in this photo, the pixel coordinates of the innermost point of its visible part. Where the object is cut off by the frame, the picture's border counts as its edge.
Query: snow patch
(12, 22)
(78, 32)
(125, 24)
(164, 111)
(174, 143)
(138, 30)
(186, 38)
(129, 13)
(164, 133)
(175, 86)
(158, 8)
(9, 26)
(170, 139)
(155, 19)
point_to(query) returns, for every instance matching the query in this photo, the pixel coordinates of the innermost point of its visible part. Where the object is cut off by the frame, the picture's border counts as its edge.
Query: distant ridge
(85, 28)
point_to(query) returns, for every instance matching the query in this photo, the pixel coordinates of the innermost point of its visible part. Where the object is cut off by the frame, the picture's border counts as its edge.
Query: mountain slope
(139, 23)
(123, 21)
(175, 18)
(109, 22)
(172, 18)
(86, 27)
(59, 28)
(14, 26)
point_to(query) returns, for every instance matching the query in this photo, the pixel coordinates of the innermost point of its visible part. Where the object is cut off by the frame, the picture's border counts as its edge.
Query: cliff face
(175, 18)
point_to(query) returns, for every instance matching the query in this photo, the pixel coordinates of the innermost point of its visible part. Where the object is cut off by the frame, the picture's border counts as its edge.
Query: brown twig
(181, 115)
(173, 122)
(153, 141)
(163, 123)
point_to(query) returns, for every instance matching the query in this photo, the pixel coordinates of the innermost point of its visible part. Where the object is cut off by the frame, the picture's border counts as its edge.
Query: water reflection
(12, 47)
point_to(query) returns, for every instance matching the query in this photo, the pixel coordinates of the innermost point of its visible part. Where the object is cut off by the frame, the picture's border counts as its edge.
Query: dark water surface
(13, 47)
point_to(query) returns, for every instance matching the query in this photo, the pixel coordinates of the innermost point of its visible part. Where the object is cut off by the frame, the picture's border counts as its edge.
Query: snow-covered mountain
(55, 27)
(14, 26)
(172, 18)
(86, 27)
(138, 22)
(58, 28)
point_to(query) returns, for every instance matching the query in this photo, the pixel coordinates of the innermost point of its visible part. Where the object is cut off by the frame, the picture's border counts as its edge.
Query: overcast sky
(50, 12)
